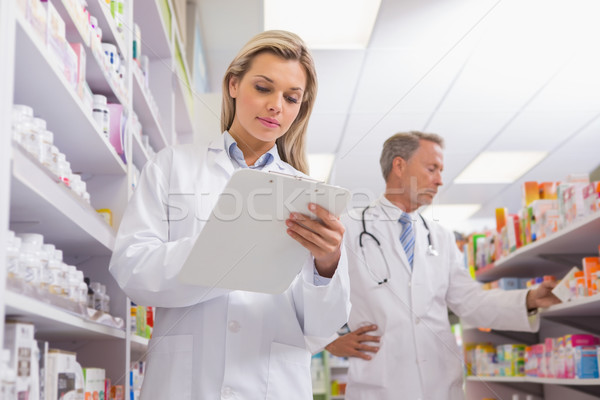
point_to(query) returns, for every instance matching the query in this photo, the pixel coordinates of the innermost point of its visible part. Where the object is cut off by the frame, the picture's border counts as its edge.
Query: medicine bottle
(47, 138)
(30, 266)
(98, 296)
(20, 115)
(52, 160)
(54, 275)
(64, 170)
(46, 252)
(73, 283)
(26, 135)
(39, 126)
(8, 378)
(82, 289)
(101, 114)
(13, 248)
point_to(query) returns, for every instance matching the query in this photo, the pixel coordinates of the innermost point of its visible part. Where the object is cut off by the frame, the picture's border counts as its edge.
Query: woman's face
(267, 99)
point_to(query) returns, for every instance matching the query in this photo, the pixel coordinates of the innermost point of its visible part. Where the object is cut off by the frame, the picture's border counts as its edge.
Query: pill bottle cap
(99, 100)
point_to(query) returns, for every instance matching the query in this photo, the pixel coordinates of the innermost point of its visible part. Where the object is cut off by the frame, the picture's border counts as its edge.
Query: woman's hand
(323, 237)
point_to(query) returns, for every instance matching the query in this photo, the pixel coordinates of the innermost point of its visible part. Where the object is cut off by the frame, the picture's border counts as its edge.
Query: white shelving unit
(336, 371)
(146, 116)
(52, 323)
(533, 379)
(33, 200)
(555, 254)
(41, 203)
(139, 344)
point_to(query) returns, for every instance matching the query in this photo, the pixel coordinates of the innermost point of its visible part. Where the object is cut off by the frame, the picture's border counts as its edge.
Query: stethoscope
(430, 248)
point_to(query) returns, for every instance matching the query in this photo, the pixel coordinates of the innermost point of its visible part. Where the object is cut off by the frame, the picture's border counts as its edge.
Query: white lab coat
(418, 357)
(215, 343)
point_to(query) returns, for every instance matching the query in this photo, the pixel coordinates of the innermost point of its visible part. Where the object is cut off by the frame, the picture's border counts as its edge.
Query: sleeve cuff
(319, 280)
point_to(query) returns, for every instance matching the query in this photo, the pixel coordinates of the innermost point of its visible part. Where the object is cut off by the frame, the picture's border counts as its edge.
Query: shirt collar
(392, 211)
(236, 155)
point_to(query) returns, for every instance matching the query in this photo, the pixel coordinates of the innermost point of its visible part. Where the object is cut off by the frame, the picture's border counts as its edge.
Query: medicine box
(79, 50)
(19, 340)
(37, 17)
(586, 362)
(70, 68)
(94, 383)
(55, 35)
(62, 372)
(508, 283)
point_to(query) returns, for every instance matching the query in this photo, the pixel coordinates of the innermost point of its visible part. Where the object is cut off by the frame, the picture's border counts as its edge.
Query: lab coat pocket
(169, 371)
(289, 373)
(369, 373)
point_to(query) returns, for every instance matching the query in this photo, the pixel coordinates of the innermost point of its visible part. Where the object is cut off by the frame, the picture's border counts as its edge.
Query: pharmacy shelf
(53, 323)
(99, 81)
(40, 203)
(139, 345)
(110, 33)
(139, 154)
(156, 43)
(550, 255)
(95, 75)
(150, 122)
(339, 367)
(75, 132)
(583, 307)
(184, 95)
(532, 379)
(183, 116)
(338, 397)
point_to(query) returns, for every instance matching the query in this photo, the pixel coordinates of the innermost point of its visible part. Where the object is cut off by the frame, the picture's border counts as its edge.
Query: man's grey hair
(404, 144)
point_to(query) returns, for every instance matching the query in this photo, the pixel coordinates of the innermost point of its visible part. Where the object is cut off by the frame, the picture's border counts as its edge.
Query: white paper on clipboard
(244, 244)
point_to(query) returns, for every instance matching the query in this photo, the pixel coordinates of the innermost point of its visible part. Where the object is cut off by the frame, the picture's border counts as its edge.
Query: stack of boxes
(547, 208)
(565, 357)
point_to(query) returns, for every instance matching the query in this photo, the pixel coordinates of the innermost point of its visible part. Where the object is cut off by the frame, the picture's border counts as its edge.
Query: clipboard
(244, 244)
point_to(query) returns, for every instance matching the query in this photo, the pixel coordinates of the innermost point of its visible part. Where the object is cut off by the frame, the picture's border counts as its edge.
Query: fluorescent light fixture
(330, 24)
(450, 215)
(500, 166)
(320, 165)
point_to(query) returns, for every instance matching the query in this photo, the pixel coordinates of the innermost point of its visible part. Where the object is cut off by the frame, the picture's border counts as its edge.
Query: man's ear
(398, 165)
(234, 83)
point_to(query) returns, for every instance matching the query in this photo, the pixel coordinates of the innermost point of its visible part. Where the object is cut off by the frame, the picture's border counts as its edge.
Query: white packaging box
(94, 382)
(62, 372)
(562, 289)
(18, 339)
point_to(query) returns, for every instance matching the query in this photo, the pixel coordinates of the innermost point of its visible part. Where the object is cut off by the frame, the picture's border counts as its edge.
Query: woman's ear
(233, 86)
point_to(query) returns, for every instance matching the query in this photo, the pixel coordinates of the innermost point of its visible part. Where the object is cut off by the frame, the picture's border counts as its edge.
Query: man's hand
(542, 296)
(351, 344)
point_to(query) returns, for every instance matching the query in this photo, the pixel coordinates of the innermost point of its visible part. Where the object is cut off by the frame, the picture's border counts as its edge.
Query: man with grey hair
(404, 275)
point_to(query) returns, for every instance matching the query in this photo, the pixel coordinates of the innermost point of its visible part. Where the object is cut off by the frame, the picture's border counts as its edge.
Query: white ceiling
(484, 74)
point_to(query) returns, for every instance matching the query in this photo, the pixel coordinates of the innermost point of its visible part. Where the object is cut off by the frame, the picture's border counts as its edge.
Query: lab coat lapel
(217, 155)
(388, 236)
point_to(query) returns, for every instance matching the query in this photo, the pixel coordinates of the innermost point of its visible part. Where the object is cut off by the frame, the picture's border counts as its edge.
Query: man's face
(423, 174)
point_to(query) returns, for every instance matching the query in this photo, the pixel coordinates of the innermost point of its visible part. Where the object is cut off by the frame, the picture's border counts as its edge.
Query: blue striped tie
(407, 237)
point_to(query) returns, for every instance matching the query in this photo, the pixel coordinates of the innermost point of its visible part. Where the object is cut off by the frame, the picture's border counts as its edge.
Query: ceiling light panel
(500, 166)
(332, 24)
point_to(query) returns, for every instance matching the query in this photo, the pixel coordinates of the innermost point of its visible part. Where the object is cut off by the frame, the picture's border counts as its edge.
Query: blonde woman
(213, 343)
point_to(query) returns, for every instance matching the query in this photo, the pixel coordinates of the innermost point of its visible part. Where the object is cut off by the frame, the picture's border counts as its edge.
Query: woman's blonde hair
(292, 145)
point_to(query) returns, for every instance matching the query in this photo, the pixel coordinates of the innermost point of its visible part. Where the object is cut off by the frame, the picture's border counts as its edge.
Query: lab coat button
(233, 326)
(417, 320)
(409, 284)
(226, 392)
